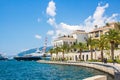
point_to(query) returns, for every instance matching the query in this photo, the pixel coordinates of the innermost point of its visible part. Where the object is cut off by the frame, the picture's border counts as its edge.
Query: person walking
(114, 61)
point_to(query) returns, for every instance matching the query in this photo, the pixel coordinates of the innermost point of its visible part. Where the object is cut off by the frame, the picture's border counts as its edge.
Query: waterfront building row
(81, 36)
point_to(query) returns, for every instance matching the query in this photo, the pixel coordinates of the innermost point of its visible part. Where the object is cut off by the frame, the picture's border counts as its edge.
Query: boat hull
(27, 58)
(3, 59)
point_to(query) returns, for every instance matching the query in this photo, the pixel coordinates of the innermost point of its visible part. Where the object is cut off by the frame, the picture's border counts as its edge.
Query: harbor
(59, 40)
(32, 70)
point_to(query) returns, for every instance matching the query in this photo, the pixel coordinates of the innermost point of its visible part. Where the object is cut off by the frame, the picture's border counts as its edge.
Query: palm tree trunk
(91, 53)
(63, 55)
(51, 54)
(56, 56)
(102, 55)
(112, 50)
(80, 54)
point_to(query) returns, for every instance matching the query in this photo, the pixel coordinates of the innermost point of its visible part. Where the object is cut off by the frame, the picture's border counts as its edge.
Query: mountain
(33, 51)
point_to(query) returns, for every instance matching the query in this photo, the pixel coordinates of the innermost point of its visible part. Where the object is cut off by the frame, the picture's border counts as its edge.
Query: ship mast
(45, 45)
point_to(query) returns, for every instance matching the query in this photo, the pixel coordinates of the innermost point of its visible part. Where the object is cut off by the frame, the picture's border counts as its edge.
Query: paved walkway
(113, 69)
(116, 66)
(108, 67)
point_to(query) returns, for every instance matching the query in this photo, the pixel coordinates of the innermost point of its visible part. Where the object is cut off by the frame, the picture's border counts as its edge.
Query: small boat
(2, 57)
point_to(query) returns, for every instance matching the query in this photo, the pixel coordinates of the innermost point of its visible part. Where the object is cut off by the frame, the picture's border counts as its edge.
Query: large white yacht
(33, 56)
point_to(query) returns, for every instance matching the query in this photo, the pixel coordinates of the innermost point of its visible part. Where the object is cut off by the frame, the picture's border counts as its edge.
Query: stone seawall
(108, 70)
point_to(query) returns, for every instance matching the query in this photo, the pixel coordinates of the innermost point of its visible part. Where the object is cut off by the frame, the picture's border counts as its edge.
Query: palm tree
(113, 37)
(72, 46)
(91, 45)
(51, 51)
(80, 46)
(57, 50)
(101, 44)
(64, 48)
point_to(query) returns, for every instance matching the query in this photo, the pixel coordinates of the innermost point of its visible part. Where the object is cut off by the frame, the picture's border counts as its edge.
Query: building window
(97, 35)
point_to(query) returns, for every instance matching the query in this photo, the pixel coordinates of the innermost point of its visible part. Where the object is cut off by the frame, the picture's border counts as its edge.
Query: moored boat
(27, 58)
(34, 56)
(30, 57)
(2, 58)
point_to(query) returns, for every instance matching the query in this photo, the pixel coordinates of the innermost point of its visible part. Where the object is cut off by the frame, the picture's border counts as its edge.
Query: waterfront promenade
(109, 68)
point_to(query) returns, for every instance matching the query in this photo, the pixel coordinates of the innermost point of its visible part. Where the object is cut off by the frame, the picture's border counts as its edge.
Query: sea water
(31, 70)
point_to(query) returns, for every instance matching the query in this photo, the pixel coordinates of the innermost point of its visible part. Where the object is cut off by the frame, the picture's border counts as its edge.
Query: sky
(24, 24)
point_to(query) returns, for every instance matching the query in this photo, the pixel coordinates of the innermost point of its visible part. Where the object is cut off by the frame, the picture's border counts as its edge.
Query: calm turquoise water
(26, 70)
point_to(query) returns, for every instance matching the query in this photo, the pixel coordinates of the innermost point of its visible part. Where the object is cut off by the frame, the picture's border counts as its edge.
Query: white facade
(80, 37)
(64, 40)
(87, 55)
(76, 36)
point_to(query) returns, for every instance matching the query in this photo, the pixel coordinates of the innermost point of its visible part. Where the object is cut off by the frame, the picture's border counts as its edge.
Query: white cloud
(69, 27)
(50, 32)
(51, 9)
(52, 22)
(38, 36)
(98, 18)
(113, 18)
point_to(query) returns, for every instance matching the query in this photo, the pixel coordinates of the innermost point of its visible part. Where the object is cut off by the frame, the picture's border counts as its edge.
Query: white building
(80, 36)
(76, 36)
(64, 40)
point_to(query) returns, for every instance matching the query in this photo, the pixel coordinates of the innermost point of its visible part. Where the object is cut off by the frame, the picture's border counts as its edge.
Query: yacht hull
(27, 58)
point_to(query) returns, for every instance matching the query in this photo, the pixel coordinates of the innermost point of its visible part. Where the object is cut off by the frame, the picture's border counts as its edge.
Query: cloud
(38, 36)
(69, 27)
(51, 9)
(98, 18)
(50, 32)
(52, 22)
(113, 18)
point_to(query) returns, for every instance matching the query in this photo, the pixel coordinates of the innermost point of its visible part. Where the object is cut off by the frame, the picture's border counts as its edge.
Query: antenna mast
(45, 45)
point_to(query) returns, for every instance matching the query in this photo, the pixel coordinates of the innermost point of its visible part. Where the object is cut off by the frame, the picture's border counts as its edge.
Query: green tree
(57, 50)
(80, 46)
(64, 48)
(51, 51)
(91, 45)
(113, 37)
(102, 44)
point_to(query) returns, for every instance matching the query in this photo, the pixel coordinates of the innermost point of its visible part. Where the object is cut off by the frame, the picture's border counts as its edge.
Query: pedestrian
(106, 60)
(114, 61)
